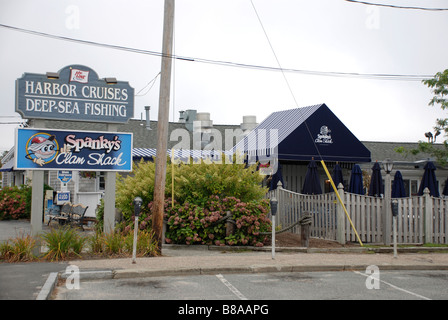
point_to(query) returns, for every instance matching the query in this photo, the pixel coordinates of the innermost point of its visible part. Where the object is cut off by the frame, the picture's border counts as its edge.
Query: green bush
(203, 193)
(13, 203)
(19, 249)
(63, 243)
(121, 243)
(193, 183)
(192, 224)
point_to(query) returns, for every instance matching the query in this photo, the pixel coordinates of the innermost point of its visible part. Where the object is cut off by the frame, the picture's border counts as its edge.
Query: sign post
(75, 93)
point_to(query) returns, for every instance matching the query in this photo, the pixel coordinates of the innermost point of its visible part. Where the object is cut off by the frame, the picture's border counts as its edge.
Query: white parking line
(47, 289)
(395, 287)
(234, 290)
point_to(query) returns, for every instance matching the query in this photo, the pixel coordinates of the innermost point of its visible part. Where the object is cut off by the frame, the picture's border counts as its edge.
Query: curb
(415, 249)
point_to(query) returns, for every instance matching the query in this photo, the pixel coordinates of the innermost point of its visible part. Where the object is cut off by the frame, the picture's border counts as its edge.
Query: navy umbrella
(337, 175)
(376, 187)
(398, 190)
(312, 180)
(276, 178)
(429, 180)
(445, 189)
(356, 181)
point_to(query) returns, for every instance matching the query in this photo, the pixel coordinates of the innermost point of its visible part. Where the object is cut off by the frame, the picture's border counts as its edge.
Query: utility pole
(162, 125)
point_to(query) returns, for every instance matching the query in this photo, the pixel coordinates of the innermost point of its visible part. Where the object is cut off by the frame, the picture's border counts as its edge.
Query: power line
(284, 77)
(153, 81)
(374, 76)
(396, 6)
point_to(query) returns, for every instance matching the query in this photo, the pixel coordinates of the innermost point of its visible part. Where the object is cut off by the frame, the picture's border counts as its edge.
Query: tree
(439, 87)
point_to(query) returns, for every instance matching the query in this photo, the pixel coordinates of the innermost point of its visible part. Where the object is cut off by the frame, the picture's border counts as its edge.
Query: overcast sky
(328, 36)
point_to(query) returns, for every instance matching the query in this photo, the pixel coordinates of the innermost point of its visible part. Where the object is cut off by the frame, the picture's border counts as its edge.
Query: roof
(142, 138)
(304, 133)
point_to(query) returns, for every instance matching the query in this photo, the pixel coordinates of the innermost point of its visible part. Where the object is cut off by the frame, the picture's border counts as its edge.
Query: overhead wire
(373, 76)
(309, 131)
(153, 81)
(394, 6)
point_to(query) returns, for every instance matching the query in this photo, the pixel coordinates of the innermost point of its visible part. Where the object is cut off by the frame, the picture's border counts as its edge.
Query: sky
(331, 38)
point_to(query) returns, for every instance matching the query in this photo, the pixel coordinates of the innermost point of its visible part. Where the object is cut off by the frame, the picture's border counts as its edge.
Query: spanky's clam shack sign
(75, 93)
(46, 149)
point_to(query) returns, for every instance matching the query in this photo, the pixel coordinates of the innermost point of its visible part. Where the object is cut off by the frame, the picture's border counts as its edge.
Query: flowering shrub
(192, 224)
(13, 203)
(204, 193)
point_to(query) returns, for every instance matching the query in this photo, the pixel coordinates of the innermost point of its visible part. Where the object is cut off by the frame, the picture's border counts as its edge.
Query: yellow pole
(340, 200)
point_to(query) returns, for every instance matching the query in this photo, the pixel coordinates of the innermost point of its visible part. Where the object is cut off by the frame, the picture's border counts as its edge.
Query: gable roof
(304, 133)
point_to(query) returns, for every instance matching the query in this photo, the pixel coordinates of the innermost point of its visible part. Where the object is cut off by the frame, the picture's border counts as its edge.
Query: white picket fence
(422, 219)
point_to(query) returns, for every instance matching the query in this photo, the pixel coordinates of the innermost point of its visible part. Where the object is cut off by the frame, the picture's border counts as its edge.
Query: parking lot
(349, 285)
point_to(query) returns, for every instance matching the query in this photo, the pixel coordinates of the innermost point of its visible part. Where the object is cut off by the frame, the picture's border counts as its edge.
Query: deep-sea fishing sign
(44, 149)
(75, 93)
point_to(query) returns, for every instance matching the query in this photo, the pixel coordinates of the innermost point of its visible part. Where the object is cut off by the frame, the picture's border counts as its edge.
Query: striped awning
(8, 166)
(181, 154)
(302, 134)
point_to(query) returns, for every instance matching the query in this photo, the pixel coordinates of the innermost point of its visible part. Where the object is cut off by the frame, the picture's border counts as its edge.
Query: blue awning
(304, 133)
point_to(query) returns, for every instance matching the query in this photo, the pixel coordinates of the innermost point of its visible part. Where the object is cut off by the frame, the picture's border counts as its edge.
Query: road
(349, 285)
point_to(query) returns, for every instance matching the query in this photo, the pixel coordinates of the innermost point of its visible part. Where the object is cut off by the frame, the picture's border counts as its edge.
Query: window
(102, 181)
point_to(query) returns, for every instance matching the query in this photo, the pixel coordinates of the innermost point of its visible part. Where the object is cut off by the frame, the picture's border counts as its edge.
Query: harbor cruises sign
(44, 149)
(75, 93)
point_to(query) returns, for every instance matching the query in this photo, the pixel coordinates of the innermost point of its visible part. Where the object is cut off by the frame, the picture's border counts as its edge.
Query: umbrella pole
(340, 201)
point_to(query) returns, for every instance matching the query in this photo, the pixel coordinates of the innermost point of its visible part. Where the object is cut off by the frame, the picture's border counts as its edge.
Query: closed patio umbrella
(276, 177)
(337, 175)
(429, 180)
(398, 190)
(445, 189)
(311, 184)
(376, 187)
(356, 181)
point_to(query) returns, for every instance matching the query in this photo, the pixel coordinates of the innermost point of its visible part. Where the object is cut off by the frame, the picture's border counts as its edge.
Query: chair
(54, 212)
(77, 215)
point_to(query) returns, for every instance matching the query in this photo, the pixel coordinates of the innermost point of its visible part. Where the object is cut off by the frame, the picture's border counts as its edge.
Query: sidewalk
(200, 260)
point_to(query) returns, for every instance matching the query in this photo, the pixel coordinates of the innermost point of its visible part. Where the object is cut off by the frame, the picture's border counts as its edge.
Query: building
(301, 134)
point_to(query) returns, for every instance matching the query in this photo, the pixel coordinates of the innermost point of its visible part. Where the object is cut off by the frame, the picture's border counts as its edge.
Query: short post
(394, 205)
(428, 217)
(274, 204)
(137, 207)
(340, 217)
(305, 223)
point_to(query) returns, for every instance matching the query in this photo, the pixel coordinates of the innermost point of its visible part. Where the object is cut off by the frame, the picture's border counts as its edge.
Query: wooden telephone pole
(162, 125)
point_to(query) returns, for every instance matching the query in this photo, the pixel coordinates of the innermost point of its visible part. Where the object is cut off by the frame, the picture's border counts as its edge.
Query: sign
(62, 197)
(324, 136)
(65, 176)
(45, 149)
(75, 93)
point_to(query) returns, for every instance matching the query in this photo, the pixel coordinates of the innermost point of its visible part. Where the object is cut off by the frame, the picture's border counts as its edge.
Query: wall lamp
(52, 75)
(111, 80)
(388, 165)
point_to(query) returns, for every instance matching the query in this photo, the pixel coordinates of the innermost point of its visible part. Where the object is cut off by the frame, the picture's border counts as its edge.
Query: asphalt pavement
(37, 279)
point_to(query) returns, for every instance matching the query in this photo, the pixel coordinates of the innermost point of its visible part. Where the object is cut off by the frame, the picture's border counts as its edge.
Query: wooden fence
(422, 219)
